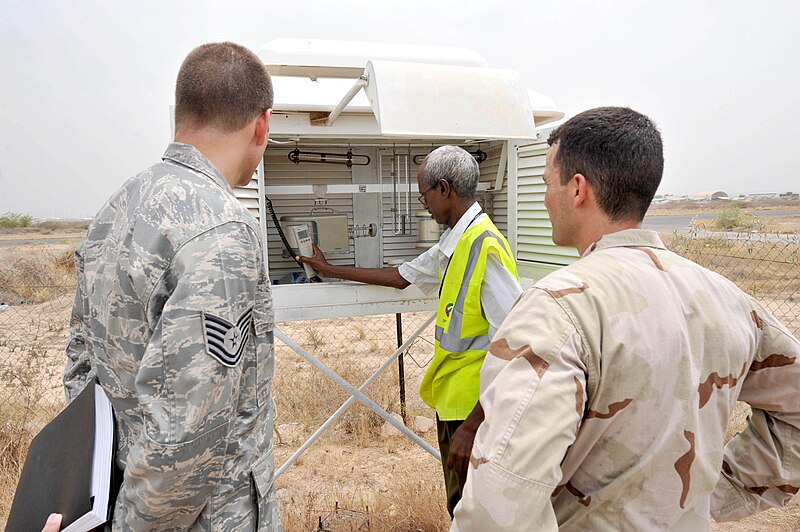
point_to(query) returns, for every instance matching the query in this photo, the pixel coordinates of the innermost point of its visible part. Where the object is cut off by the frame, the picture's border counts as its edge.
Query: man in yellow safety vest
(473, 269)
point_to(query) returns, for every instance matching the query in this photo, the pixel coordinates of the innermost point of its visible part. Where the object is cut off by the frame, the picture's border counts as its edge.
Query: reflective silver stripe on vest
(452, 341)
(454, 344)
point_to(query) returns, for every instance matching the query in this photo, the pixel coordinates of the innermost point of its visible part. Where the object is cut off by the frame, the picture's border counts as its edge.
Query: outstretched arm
(381, 276)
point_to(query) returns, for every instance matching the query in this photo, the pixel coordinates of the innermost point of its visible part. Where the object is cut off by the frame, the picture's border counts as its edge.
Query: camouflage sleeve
(761, 464)
(533, 385)
(186, 385)
(78, 370)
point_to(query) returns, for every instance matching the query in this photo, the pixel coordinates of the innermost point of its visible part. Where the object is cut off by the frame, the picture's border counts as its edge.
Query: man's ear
(445, 187)
(262, 127)
(580, 189)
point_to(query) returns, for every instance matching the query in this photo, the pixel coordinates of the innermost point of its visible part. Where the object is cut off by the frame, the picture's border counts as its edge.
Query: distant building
(710, 195)
(668, 198)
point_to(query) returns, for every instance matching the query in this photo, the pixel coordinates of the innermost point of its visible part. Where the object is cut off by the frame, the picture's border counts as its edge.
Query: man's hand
(463, 437)
(318, 261)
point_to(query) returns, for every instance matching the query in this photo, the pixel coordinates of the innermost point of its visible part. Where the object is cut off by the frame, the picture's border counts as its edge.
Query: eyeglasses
(422, 196)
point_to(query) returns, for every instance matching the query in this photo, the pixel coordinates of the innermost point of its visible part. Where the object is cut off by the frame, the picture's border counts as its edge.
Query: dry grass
(766, 270)
(354, 349)
(780, 225)
(342, 488)
(694, 207)
(36, 281)
(63, 226)
(34, 274)
(47, 227)
(783, 225)
(359, 423)
(353, 478)
(772, 225)
(26, 405)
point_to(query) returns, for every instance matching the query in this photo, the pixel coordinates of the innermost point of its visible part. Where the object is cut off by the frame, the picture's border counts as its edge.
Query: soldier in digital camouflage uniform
(173, 313)
(608, 388)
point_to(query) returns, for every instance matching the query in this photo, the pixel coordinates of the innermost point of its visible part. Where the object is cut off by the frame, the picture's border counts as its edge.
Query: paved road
(668, 224)
(43, 240)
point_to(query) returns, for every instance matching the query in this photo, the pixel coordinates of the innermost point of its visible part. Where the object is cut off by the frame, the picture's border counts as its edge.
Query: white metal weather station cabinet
(352, 122)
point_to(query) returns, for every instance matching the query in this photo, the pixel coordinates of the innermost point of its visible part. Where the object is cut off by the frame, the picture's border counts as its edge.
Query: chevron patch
(226, 341)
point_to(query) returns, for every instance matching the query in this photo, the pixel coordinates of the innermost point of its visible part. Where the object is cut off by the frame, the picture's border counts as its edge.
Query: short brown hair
(223, 85)
(620, 153)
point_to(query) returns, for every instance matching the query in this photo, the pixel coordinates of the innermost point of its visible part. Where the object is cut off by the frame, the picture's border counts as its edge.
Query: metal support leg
(356, 393)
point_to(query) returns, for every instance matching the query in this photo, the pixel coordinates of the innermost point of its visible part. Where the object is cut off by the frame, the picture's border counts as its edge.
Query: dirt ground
(392, 481)
(354, 477)
(786, 519)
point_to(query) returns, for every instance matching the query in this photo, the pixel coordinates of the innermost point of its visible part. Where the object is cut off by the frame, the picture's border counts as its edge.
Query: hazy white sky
(86, 85)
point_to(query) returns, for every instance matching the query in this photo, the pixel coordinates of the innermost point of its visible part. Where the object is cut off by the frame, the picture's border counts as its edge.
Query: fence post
(401, 369)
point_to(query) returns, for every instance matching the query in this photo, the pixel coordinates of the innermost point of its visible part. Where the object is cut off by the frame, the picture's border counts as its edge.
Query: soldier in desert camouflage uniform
(173, 313)
(608, 388)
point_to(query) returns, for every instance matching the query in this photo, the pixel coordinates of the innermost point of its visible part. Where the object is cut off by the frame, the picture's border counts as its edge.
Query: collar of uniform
(450, 238)
(189, 156)
(627, 238)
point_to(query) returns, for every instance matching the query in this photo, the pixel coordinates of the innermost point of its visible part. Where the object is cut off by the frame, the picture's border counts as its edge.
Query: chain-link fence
(36, 282)
(765, 266)
(360, 475)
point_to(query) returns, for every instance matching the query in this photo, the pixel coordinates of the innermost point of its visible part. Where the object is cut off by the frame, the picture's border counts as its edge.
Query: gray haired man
(475, 274)
(173, 313)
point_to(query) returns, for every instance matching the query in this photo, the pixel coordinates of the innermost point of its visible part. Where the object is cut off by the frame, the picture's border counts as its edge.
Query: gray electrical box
(328, 231)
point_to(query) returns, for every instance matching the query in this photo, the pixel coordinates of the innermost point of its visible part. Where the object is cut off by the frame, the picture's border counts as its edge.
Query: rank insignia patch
(225, 341)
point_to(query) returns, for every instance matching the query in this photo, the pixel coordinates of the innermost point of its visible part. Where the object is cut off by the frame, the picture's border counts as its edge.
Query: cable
(314, 279)
(286, 245)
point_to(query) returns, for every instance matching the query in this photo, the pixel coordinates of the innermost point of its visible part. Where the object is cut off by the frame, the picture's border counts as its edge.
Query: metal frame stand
(356, 394)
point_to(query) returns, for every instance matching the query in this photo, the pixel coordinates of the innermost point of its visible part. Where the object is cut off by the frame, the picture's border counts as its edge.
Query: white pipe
(502, 166)
(316, 142)
(360, 83)
(281, 190)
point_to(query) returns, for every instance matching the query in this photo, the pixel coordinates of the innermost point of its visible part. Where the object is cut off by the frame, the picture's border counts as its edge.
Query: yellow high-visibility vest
(452, 383)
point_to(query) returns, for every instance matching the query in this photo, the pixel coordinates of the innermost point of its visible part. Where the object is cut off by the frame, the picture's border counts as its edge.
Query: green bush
(735, 218)
(15, 219)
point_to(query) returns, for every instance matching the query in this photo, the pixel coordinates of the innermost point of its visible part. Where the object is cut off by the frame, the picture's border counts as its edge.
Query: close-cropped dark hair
(224, 85)
(620, 153)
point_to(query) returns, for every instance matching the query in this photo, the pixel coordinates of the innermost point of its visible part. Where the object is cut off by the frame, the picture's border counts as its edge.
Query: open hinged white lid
(320, 58)
(444, 101)
(405, 91)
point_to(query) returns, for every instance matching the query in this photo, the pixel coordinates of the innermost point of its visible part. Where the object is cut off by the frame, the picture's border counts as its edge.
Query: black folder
(57, 475)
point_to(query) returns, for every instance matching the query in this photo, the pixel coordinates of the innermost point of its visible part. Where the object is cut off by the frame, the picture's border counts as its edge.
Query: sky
(85, 86)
